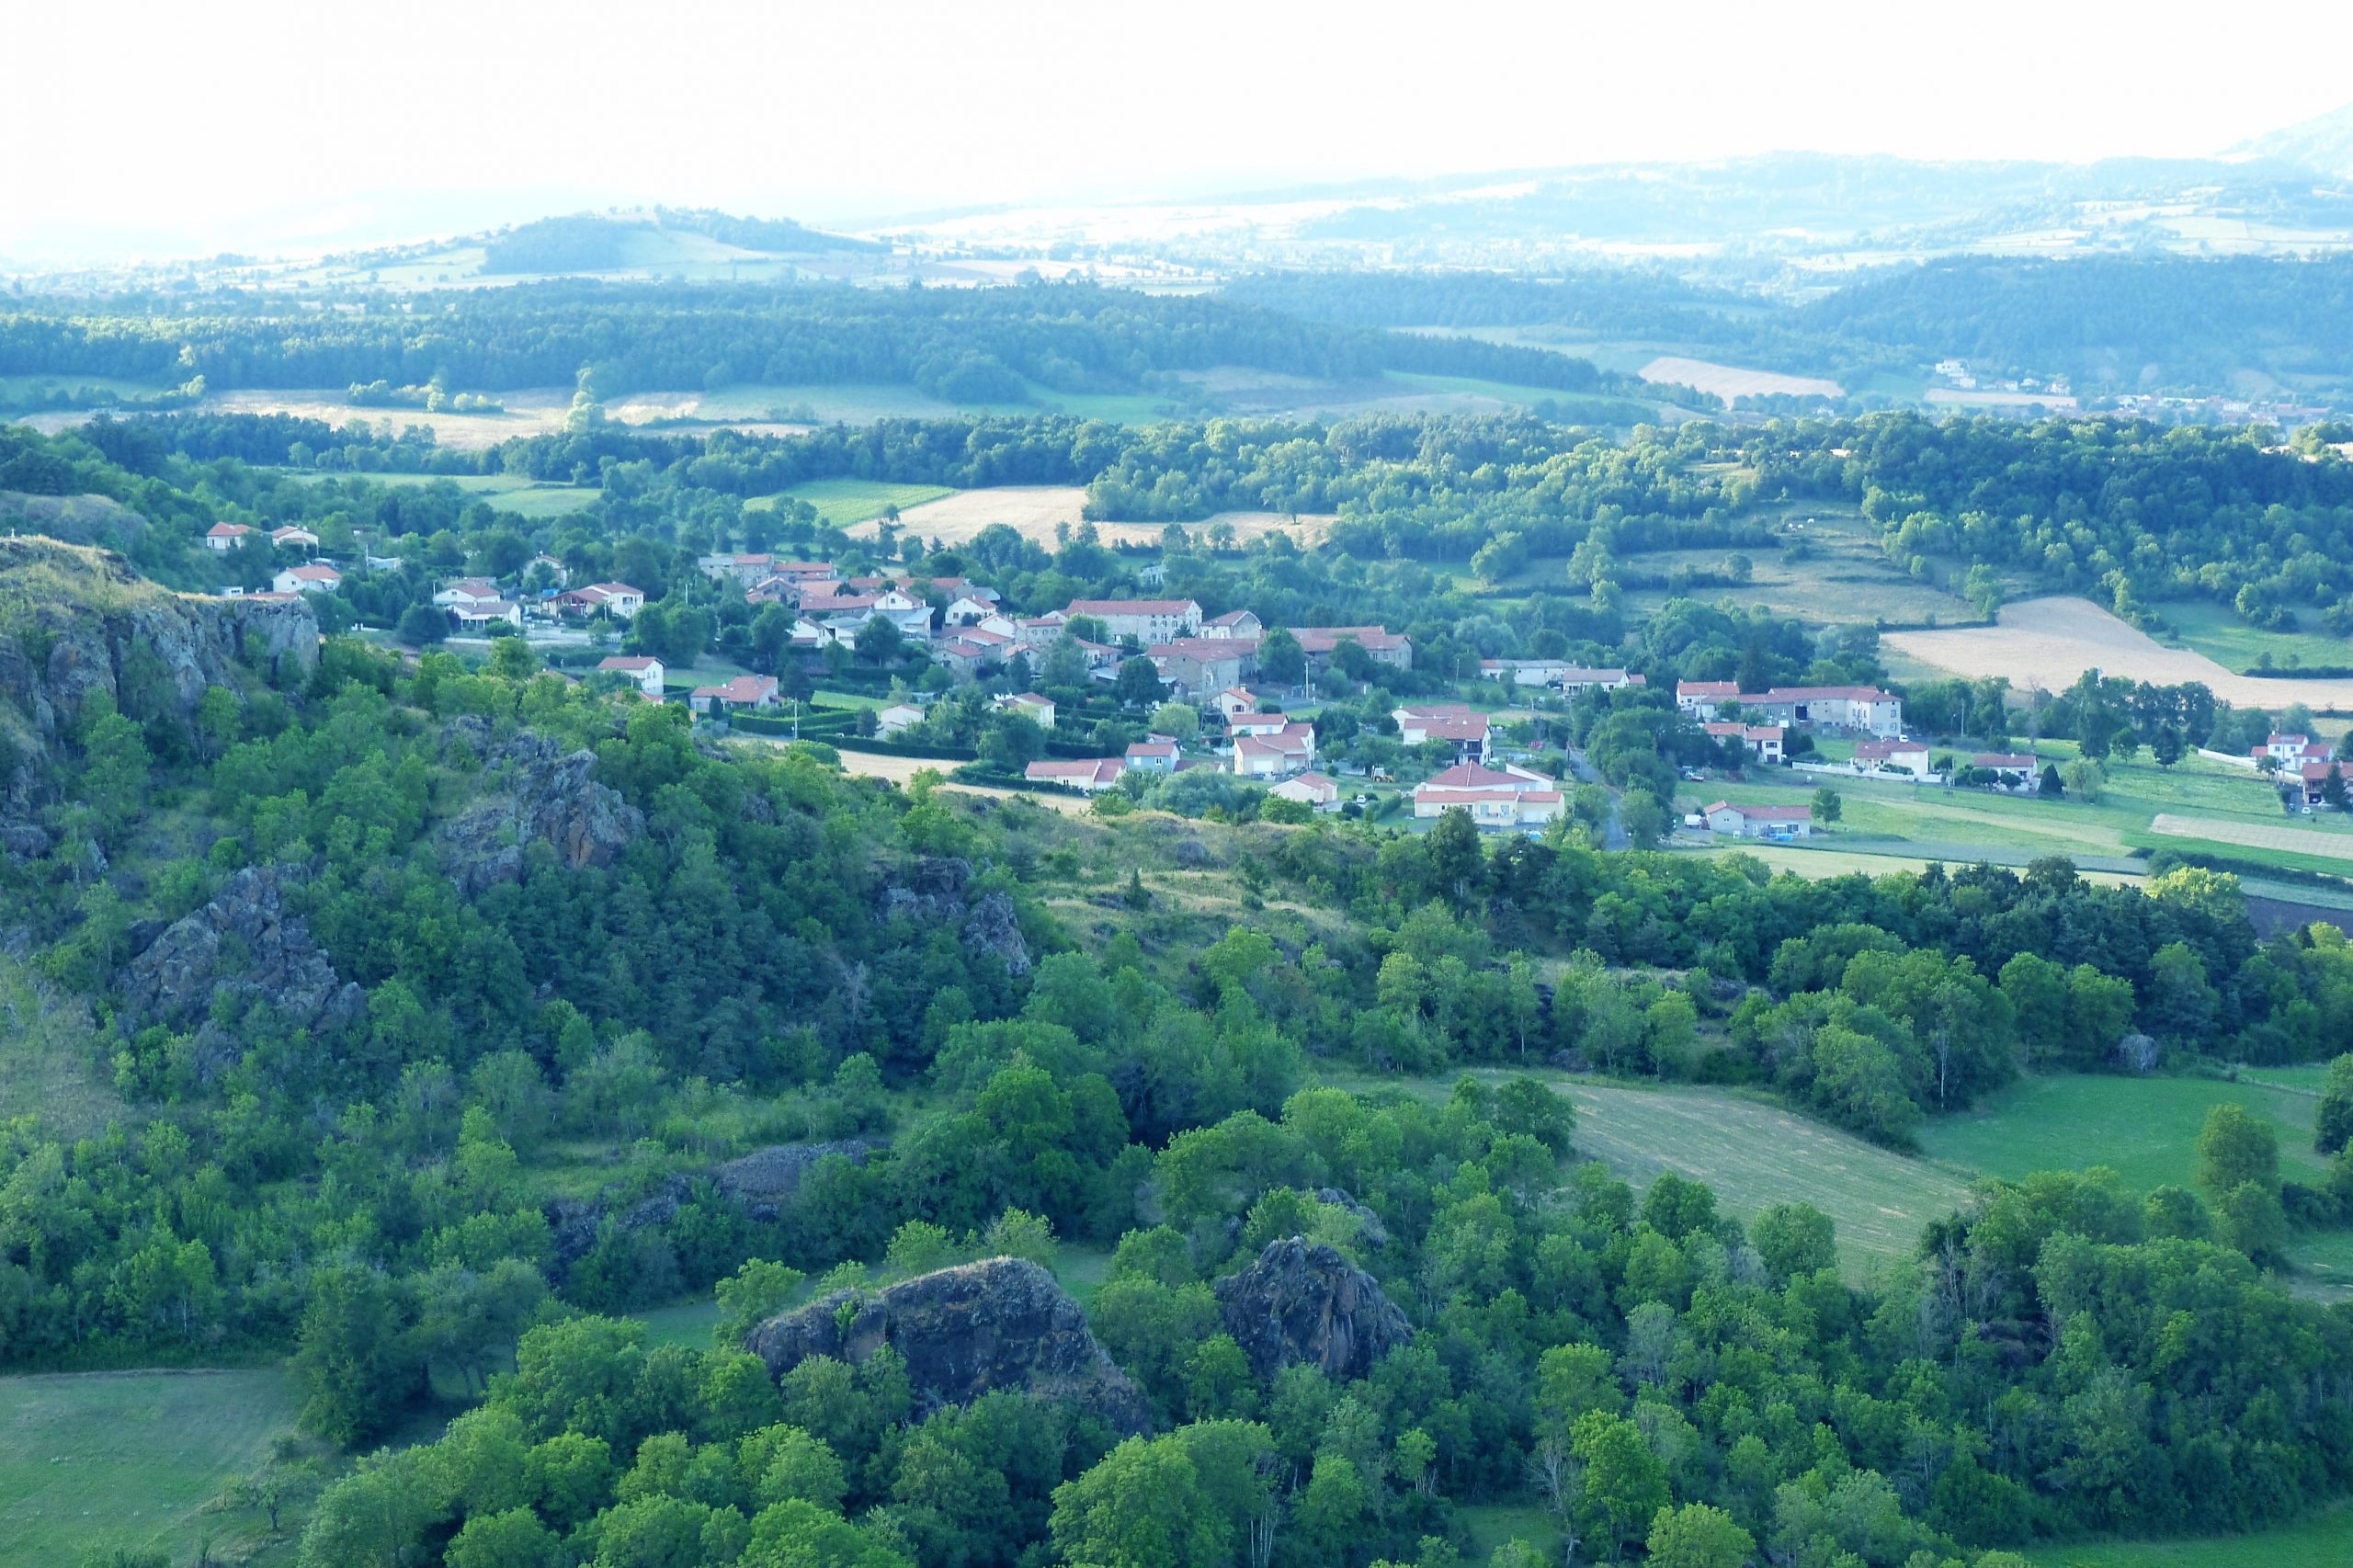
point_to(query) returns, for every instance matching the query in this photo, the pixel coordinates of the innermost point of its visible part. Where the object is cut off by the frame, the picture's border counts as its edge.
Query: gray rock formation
(245, 942)
(536, 791)
(933, 892)
(765, 1179)
(81, 621)
(1370, 1229)
(1302, 1302)
(1000, 1325)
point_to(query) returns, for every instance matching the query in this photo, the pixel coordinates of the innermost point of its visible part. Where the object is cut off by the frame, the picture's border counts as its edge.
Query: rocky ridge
(999, 1325)
(537, 792)
(1304, 1302)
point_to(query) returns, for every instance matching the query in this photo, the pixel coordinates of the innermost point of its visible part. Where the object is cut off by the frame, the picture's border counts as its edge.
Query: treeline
(585, 241)
(967, 346)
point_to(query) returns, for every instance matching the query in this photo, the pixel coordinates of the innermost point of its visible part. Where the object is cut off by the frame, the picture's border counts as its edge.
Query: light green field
(126, 1459)
(1491, 1525)
(1846, 580)
(842, 502)
(508, 492)
(46, 1058)
(689, 1325)
(2325, 1541)
(863, 403)
(1752, 1152)
(2143, 1129)
(1471, 394)
(2216, 631)
(1958, 824)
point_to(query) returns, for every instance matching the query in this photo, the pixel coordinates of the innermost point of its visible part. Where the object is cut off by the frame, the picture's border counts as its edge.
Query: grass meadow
(126, 1460)
(842, 502)
(2216, 631)
(527, 498)
(2325, 1540)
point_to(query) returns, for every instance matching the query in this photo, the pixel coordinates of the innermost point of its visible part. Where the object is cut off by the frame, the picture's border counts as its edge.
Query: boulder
(993, 928)
(1300, 1302)
(244, 941)
(763, 1180)
(999, 1325)
(537, 792)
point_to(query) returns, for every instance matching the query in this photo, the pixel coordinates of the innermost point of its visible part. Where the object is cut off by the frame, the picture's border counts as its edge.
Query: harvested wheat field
(2256, 835)
(1730, 382)
(1034, 511)
(2046, 644)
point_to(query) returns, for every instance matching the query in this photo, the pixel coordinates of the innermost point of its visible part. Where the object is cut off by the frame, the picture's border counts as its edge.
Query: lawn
(2216, 631)
(2323, 1542)
(2143, 1129)
(842, 502)
(107, 1460)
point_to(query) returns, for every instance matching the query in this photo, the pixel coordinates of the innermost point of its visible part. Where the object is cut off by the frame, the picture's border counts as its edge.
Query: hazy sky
(240, 125)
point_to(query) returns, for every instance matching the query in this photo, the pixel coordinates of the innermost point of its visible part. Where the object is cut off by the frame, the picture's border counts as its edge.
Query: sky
(239, 125)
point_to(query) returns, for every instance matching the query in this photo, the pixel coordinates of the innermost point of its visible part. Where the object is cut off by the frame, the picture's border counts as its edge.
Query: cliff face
(538, 792)
(1304, 1303)
(1002, 1323)
(76, 621)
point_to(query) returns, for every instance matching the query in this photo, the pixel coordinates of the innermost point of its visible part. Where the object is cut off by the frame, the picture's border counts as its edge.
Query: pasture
(2217, 631)
(842, 503)
(126, 1460)
(1732, 381)
(531, 498)
(2043, 644)
(2325, 1540)
(1843, 579)
(2311, 841)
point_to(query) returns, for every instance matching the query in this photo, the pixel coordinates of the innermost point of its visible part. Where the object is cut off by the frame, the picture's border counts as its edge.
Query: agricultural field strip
(2256, 835)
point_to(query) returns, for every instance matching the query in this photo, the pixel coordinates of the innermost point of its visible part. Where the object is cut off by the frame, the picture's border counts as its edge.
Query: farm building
(1146, 620)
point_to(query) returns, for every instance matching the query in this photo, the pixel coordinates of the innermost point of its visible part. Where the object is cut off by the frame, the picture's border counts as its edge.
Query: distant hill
(2323, 143)
(596, 242)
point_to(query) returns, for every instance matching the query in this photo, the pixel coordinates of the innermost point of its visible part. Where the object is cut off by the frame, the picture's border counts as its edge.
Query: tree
(1826, 805)
(1139, 684)
(1280, 658)
(2180, 1002)
(1642, 817)
(1179, 722)
(2084, 778)
(2050, 786)
(878, 640)
(350, 1354)
(1625, 1484)
(2236, 1149)
(115, 763)
(1698, 1535)
(2333, 1122)
(2166, 747)
(1140, 1506)
(1454, 859)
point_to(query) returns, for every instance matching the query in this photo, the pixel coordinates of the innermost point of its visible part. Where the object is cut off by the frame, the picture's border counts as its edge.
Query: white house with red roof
(1232, 623)
(292, 538)
(1274, 753)
(1039, 710)
(467, 590)
(2011, 769)
(1146, 620)
(1507, 797)
(1893, 756)
(743, 694)
(617, 600)
(480, 615)
(1558, 673)
(1386, 647)
(1310, 790)
(1088, 775)
(1236, 701)
(1153, 755)
(227, 536)
(316, 578)
(1701, 698)
(1467, 729)
(643, 669)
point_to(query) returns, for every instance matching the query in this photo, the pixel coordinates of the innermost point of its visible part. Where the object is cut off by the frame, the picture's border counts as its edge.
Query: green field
(506, 491)
(842, 502)
(2143, 1129)
(126, 1458)
(863, 403)
(2217, 631)
(1753, 1152)
(1935, 823)
(47, 1054)
(2325, 1541)
(1846, 579)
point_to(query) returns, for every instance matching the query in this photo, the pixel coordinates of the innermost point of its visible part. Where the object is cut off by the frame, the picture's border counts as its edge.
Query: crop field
(2323, 1542)
(1730, 382)
(125, 1460)
(2046, 644)
(2217, 631)
(2335, 846)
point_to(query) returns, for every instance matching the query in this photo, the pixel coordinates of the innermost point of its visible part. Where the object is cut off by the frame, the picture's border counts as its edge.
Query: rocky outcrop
(1370, 1229)
(537, 791)
(933, 891)
(75, 621)
(243, 942)
(1300, 1302)
(1000, 1325)
(762, 1181)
